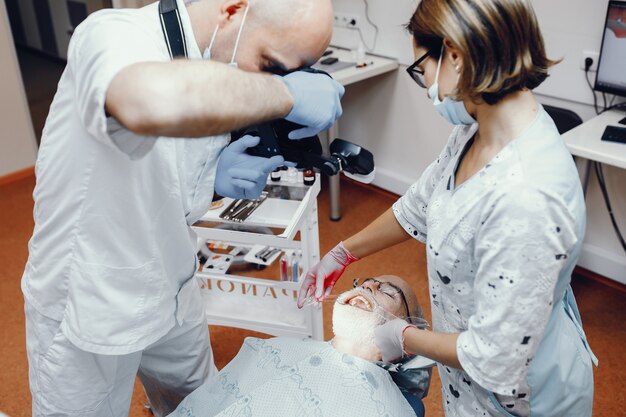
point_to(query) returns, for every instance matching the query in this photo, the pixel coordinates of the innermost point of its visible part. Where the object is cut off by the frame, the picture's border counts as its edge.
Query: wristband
(410, 326)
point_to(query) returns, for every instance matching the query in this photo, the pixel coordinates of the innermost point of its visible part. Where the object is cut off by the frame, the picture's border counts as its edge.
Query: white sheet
(296, 378)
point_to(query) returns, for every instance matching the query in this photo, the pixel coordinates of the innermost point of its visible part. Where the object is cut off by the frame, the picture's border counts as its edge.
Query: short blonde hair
(499, 41)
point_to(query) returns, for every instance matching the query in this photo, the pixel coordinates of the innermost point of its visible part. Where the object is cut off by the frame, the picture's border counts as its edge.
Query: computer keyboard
(615, 134)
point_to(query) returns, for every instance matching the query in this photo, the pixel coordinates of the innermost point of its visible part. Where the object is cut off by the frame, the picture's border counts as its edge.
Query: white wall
(392, 117)
(17, 138)
(389, 15)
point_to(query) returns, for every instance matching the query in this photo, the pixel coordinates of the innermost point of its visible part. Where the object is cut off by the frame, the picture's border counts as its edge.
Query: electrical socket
(346, 20)
(593, 55)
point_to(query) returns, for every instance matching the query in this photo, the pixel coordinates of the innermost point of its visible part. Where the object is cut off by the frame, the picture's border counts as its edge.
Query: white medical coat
(111, 256)
(500, 251)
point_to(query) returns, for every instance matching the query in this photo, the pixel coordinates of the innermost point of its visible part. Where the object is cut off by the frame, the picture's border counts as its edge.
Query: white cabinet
(259, 300)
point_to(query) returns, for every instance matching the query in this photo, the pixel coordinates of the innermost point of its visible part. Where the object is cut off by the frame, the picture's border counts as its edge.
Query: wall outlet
(593, 55)
(346, 20)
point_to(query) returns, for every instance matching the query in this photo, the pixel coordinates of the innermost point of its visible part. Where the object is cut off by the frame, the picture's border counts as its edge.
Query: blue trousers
(415, 403)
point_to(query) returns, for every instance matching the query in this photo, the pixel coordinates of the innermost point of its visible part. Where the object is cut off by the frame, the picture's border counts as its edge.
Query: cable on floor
(607, 201)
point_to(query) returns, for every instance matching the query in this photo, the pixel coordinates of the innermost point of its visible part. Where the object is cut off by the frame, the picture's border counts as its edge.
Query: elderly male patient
(293, 377)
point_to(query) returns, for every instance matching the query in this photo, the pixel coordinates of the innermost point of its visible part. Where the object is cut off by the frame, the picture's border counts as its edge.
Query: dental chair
(564, 119)
(412, 377)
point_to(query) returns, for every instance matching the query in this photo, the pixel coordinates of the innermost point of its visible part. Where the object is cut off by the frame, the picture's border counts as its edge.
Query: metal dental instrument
(249, 208)
(241, 209)
(262, 252)
(231, 209)
(269, 254)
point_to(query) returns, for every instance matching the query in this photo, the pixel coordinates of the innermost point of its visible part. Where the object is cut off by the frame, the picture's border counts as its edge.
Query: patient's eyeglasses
(386, 288)
(416, 73)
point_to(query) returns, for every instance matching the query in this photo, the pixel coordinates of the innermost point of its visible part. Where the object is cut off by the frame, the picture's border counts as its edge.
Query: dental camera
(353, 160)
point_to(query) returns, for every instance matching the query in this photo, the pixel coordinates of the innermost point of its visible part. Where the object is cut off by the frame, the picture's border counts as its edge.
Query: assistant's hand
(321, 279)
(317, 102)
(240, 175)
(389, 338)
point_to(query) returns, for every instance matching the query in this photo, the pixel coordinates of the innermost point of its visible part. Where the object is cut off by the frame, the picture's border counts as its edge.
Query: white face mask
(355, 325)
(207, 51)
(453, 111)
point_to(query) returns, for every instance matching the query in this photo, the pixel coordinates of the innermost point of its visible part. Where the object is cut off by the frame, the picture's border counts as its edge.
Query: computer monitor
(611, 75)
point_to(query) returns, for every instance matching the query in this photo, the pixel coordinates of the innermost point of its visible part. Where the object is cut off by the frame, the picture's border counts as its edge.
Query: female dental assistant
(502, 215)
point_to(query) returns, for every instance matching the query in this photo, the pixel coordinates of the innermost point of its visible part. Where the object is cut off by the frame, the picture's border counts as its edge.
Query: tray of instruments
(281, 208)
(268, 262)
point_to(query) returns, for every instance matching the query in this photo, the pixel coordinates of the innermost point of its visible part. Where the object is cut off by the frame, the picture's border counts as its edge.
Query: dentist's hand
(240, 175)
(317, 102)
(321, 279)
(389, 338)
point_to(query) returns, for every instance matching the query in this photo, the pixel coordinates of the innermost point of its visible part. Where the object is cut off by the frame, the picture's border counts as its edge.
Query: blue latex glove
(240, 175)
(317, 102)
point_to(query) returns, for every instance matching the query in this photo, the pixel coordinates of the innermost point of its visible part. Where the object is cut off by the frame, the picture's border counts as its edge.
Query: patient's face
(386, 292)
(371, 303)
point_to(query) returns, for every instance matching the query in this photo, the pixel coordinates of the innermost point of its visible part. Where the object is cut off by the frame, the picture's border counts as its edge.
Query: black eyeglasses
(386, 288)
(418, 74)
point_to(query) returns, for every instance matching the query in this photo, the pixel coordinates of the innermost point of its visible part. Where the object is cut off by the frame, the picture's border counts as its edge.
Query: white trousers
(67, 381)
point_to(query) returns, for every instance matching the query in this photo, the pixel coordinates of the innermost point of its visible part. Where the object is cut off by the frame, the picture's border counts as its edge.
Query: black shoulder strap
(172, 28)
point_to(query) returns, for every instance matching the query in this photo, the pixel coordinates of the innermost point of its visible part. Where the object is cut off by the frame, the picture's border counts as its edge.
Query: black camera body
(355, 161)
(308, 152)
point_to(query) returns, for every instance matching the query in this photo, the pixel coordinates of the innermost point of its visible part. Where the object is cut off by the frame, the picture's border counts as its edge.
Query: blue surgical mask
(207, 51)
(453, 111)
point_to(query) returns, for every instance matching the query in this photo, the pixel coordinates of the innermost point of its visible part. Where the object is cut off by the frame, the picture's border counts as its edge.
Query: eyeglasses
(386, 288)
(416, 73)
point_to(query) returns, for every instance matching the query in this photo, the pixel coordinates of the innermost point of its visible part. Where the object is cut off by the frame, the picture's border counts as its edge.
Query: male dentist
(133, 151)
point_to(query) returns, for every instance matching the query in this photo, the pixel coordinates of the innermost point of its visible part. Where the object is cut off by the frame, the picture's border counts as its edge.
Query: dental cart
(257, 299)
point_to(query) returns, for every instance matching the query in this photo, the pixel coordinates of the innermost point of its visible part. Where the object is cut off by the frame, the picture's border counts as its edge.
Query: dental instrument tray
(239, 210)
(283, 206)
(254, 297)
(262, 255)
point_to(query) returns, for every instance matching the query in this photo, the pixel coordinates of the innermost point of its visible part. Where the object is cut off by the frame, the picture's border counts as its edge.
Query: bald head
(283, 13)
(414, 308)
(304, 26)
(278, 35)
